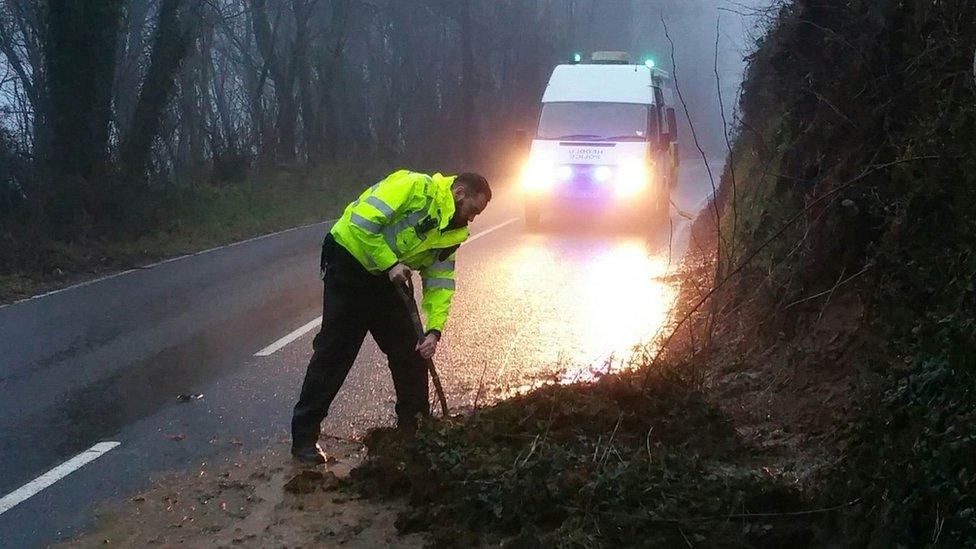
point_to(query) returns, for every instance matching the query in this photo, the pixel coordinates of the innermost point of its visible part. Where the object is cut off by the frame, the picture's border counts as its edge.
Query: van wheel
(532, 216)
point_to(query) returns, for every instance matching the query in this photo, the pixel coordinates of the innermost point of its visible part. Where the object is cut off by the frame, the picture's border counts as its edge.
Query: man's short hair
(474, 183)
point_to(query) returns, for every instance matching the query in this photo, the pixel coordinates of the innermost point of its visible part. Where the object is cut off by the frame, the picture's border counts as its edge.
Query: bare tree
(82, 38)
(171, 42)
(180, 90)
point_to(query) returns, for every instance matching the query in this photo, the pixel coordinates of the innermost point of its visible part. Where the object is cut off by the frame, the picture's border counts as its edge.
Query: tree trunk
(170, 46)
(286, 123)
(30, 19)
(82, 41)
(331, 108)
(127, 73)
(300, 73)
(260, 138)
(468, 116)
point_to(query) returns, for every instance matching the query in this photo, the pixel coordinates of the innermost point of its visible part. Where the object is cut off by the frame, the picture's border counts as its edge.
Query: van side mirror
(669, 131)
(672, 124)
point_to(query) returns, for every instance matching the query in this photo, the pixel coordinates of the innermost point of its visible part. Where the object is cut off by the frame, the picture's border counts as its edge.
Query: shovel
(405, 291)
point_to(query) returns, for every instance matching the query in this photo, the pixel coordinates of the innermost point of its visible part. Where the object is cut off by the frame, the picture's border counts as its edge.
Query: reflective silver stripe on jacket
(390, 232)
(371, 190)
(442, 266)
(389, 235)
(445, 283)
(385, 209)
(364, 223)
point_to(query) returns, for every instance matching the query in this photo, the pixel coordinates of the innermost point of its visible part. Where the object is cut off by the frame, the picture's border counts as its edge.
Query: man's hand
(399, 273)
(428, 345)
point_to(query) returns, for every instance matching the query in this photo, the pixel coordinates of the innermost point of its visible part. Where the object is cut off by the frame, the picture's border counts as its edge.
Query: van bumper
(650, 205)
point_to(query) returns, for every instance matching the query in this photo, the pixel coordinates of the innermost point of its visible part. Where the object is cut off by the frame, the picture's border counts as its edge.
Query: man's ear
(458, 192)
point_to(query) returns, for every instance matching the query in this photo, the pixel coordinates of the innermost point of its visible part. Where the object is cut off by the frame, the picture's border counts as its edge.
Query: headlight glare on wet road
(562, 303)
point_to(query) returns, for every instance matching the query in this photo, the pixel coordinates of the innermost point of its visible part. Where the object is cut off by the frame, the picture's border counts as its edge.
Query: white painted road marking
(30, 489)
(277, 345)
(299, 332)
(488, 231)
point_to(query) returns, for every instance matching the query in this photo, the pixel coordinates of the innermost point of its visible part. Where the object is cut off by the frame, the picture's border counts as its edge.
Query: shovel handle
(405, 291)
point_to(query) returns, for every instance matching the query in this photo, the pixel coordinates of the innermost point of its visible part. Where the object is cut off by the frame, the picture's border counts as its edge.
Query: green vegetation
(864, 120)
(586, 465)
(144, 223)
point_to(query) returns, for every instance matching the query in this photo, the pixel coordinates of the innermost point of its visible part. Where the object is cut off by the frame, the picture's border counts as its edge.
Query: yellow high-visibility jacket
(402, 219)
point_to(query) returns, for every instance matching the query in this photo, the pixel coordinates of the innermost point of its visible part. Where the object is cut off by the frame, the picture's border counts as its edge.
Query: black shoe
(311, 454)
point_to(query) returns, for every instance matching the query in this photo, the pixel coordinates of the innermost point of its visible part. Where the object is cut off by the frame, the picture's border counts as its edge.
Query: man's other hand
(399, 274)
(428, 345)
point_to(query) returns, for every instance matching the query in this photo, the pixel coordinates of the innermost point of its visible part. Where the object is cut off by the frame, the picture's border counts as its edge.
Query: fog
(638, 26)
(173, 90)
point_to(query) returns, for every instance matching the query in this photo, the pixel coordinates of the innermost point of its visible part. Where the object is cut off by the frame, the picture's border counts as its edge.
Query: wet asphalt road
(106, 361)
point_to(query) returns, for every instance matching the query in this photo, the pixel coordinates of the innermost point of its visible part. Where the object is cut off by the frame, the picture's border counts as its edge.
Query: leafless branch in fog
(730, 162)
(711, 178)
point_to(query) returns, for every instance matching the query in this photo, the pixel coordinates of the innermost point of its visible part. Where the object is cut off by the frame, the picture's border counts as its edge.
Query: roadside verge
(188, 220)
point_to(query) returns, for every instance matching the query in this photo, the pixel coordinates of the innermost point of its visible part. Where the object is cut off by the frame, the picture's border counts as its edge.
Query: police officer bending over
(407, 221)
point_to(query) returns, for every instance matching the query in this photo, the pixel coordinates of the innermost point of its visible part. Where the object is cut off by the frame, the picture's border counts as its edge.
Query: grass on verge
(177, 220)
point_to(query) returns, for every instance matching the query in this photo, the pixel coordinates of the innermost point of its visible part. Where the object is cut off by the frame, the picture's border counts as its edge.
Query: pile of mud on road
(625, 461)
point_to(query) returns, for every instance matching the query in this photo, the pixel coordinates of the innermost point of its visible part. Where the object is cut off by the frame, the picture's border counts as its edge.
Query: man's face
(467, 206)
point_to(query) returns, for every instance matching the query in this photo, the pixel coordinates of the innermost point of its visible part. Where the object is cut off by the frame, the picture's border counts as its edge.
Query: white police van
(606, 141)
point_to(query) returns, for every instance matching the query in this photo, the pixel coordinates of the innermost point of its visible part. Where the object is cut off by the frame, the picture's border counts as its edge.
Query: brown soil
(788, 395)
(263, 501)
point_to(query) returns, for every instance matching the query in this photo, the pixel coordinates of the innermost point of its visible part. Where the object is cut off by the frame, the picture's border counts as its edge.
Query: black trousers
(356, 302)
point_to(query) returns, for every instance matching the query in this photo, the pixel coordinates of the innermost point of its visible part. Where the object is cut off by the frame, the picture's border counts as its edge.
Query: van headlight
(564, 172)
(632, 177)
(538, 174)
(603, 173)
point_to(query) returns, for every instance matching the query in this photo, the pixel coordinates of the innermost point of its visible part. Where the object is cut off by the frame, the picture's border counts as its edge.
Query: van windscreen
(595, 121)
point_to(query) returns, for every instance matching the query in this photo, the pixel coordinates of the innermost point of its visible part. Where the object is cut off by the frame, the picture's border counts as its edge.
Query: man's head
(471, 196)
